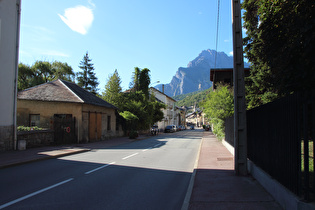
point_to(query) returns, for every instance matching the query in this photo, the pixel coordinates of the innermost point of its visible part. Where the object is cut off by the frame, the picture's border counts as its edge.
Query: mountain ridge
(196, 76)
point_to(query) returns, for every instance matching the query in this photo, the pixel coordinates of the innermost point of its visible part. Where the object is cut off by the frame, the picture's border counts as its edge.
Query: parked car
(207, 128)
(170, 129)
(154, 130)
(192, 127)
(183, 127)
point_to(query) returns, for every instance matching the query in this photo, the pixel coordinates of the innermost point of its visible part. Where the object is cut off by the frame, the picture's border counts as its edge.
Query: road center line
(157, 145)
(99, 168)
(34, 193)
(146, 149)
(130, 156)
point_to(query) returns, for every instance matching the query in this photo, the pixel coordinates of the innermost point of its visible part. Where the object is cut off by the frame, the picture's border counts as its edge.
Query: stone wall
(6, 138)
(37, 138)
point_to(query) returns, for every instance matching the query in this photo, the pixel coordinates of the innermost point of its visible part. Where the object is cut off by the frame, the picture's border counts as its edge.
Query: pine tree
(134, 84)
(86, 77)
(112, 93)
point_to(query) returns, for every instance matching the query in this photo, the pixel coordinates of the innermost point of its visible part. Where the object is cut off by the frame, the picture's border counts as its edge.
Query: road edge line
(186, 202)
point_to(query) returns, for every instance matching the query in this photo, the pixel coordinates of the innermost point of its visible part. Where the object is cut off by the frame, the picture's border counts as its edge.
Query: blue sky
(161, 35)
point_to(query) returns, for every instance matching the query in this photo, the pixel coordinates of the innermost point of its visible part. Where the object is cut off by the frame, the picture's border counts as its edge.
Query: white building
(171, 113)
(9, 50)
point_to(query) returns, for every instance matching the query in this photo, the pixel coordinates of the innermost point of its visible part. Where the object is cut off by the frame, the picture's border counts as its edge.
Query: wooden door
(92, 126)
(99, 125)
(95, 126)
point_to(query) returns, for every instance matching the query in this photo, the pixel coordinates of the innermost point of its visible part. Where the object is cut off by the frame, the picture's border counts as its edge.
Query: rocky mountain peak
(196, 76)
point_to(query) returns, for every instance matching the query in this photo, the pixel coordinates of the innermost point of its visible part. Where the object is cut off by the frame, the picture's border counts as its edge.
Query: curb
(44, 158)
(63, 154)
(186, 202)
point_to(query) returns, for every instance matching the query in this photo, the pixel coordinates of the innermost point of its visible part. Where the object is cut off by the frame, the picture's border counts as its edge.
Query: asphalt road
(149, 174)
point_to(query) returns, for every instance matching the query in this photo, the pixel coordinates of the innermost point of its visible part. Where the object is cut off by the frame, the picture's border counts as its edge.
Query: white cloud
(38, 33)
(79, 18)
(91, 3)
(49, 52)
(231, 53)
(24, 53)
(54, 53)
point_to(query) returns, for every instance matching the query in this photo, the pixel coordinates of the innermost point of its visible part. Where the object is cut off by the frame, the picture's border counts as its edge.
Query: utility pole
(240, 128)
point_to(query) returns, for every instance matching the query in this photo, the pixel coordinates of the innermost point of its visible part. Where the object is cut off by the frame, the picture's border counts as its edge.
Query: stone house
(67, 109)
(197, 118)
(182, 116)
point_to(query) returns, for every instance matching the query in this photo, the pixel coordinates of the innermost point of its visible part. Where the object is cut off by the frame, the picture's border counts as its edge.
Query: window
(108, 123)
(34, 120)
(63, 116)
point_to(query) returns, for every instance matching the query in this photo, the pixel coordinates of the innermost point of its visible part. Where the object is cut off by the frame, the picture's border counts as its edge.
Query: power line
(217, 37)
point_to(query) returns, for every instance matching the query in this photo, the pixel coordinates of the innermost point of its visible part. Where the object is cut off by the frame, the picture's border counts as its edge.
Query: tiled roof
(62, 91)
(156, 90)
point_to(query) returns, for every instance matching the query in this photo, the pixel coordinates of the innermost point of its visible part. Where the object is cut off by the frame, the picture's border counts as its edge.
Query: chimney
(162, 88)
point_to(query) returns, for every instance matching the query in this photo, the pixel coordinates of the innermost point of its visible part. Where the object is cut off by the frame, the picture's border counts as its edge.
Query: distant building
(171, 113)
(197, 118)
(224, 76)
(182, 116)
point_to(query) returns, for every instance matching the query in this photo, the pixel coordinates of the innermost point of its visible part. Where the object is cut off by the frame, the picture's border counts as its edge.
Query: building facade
(9, 49)
(171, 113)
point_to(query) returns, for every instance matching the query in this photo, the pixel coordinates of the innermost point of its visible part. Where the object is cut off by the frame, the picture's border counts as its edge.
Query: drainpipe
(174, 114)
(18, 8)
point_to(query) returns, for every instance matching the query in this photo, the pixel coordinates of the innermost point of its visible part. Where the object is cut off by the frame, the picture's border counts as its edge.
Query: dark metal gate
(281, 141)
(64, 128)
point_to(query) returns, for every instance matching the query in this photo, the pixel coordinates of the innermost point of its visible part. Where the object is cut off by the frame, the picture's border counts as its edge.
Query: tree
(140, 103)
(134, 84)
(219, 105)
(280, 43)
(144, 81)
(42, 70)
(112, 93)
(86, 77)
(147, 110)
(62, 71)
(25, 76)
(157, 113)
(130, 118)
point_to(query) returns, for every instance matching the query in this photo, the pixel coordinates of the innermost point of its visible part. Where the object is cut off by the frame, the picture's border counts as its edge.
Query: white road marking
(99, 168)
(152, 147)
(34, 193)
(130, 156)
(146, 149)
(157, 145)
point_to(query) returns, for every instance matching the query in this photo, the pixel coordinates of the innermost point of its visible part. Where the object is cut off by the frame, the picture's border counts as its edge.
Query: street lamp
(155, 83)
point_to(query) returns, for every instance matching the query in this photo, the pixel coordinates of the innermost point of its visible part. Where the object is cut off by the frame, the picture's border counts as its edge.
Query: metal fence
(229, 130)
(276, 134)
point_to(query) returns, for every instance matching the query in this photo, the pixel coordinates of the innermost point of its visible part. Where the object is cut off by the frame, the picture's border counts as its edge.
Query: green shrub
(219, 105)
(25, 128)
(133, 134)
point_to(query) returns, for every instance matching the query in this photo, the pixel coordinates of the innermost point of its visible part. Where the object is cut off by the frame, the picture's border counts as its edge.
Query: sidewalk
(216, 186)
(11, 158)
